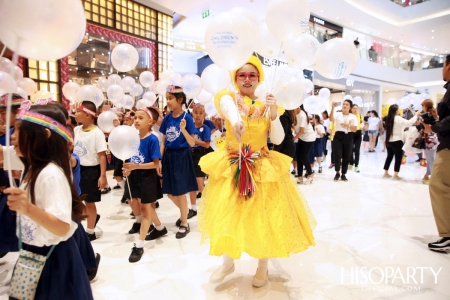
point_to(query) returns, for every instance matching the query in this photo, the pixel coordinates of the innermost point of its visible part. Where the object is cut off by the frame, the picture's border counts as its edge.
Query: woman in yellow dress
(250, 203)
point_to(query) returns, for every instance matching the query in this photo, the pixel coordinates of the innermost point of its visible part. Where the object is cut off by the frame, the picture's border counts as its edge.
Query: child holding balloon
(46, 202)
(90, 146)
(178, 170)
(143, 189)
(202, 138)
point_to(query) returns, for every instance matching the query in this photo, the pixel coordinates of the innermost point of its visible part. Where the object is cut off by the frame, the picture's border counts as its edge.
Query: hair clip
(174, 90)
(148, 112)
(45, 121)
(43, 101)
(198, 105)
(87, 110)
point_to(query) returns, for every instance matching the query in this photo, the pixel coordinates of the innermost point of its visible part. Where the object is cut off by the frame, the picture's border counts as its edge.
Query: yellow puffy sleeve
(219, 96)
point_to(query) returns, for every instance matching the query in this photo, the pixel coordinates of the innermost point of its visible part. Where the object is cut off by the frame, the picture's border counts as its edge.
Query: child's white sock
(121, 184)
(90, 231)
(194, 207)
(159, 227)
(139, 219)
(140, 244)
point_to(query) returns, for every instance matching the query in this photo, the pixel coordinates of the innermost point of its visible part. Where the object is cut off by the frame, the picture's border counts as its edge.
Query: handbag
(419, 143)
(27, 271)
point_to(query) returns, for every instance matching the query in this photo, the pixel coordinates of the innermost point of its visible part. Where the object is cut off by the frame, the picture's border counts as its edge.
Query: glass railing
(406, 3)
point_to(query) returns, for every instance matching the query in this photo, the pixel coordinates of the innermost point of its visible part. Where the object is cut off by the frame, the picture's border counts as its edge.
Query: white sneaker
(308, 180)
(350, 167)
(220, 274)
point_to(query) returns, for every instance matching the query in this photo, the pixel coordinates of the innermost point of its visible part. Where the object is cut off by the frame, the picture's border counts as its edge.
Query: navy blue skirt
(64, 275)
(316, 151)
(87, 253)
(178, 172)
(8, 237)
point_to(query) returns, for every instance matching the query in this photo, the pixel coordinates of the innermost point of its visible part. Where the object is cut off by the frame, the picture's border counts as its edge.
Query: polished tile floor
(371, 237)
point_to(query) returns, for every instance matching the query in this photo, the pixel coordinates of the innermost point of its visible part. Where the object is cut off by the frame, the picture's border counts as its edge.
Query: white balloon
(122, 102)
(291, 94)
(300, 51)
(248, 15)
(70, 90)
(154, 87)
(127, 83)
(136, 90)
(309, 86)
(210, 109)
(103, 84)
(42, 95)
(115, 93)
(114, 79)
(146, 79)
(22, 93)
(28, 85)
(143, 103)
(105, 121)
(348, 97)
(261, 92)
(267, 45)
(358, 101)
(48, 29)
(336, 58)
(416, 101)
(230, 40)
(214, 78)
(124, 57)
(286, 19)
(129, 102)
(7, 83)
(123, 142)
(162, 86)
(17, 73)
(312, 105)
(7, 66)
(192, 85)
(204, 97)
(150, 97)
(166, 74)
(175, 79)
(404, 103)
(424, 96)
(90, 93)
(324, 93)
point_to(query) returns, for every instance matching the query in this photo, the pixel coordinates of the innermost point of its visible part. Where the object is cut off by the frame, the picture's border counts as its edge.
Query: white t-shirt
(399, 126)
(326, 123)
(308, 135)
(340, 118)
(88, 145)
(319, 129)
(52, 194)
(156, 132)
(373, 123)
(297, 127)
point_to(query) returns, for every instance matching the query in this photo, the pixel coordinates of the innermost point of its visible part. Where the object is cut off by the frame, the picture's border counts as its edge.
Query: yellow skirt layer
(275, 222)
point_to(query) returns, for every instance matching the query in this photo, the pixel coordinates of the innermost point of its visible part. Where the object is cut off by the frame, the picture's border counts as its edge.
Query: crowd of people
(59, 159)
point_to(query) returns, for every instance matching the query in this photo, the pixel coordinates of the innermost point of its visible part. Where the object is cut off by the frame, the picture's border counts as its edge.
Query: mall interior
(373, 233)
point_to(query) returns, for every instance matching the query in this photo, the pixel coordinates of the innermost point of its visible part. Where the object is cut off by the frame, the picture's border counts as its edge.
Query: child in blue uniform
(202, 138)
(143, 186)
(47, 200)
(178, 171)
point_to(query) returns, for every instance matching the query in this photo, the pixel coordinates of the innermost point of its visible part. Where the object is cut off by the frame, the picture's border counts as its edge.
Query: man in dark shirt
(440, 176)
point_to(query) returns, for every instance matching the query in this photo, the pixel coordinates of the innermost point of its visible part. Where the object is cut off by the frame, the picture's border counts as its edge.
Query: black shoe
(151, 228)
(178, 223)
(418, 160)
(192, 213)
(96, 220)
(123, 200)
(336, 177)
(157, 204)
(2, 254)
(132, 214)
(183, 231)
(135, 229)
(92, 236)
(320, 169)
(93, 271)
(156, 234)
(106, 190)
(343, 178)
(136, 254)
(199, 195)
(442, 244)
(293, 172)
(117, 187)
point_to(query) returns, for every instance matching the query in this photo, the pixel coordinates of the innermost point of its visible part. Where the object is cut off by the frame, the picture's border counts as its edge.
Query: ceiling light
(351, 24)
(432, 30)
(432, 37)
(390, 37)
(337, 17)
(387, 91)
(70, 69)
(401, 41)
(103, 38)
(321, 10)
(87, 72)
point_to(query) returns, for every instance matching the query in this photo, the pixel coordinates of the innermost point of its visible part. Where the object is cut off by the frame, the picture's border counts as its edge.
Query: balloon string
(276, 67)
(3, 51)
(295, 74)
(129, 190)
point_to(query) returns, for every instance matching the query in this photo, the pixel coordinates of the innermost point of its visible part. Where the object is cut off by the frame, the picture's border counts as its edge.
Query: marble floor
(371, 237)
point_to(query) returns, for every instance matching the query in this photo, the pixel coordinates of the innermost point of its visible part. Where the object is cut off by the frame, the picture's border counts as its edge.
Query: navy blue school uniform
(144, 184)
(210, 124)
(8, 237)
(87, 253)
(202, 133)
(177, 165)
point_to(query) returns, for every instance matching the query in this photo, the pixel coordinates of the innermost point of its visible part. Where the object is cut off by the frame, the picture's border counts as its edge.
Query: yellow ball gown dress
(276, 221)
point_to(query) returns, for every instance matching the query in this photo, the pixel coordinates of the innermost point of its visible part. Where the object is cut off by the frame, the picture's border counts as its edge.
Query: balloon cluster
(413, 101)
(232, 37)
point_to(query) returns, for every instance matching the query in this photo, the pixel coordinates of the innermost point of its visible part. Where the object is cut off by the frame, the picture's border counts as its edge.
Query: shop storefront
(109, 23)
(324, 30)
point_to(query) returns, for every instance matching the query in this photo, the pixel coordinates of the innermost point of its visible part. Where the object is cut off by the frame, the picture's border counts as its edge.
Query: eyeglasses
(253, 76)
